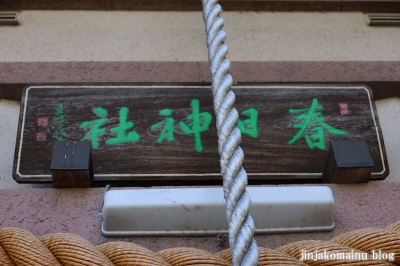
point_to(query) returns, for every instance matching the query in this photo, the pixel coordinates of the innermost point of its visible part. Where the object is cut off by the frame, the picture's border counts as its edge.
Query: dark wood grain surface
(267, 157)
(192, 5)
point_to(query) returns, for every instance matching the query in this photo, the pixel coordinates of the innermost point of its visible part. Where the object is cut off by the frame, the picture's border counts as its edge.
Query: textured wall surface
(179, 36)
(76, 211)
(382, 76)
(250, 71)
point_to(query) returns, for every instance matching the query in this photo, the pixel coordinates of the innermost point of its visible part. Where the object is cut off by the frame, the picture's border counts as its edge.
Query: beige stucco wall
(179, 36)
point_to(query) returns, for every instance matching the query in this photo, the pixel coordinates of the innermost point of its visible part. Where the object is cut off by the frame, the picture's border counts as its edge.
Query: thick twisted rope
(19, 247)
(241, 225)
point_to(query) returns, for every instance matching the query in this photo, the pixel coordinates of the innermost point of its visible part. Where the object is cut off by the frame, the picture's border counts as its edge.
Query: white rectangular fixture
(383, 19)
(9, 17)
(201, 211)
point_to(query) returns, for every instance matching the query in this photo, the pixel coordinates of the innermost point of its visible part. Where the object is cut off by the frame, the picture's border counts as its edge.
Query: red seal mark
(43, 121)
(41, 137)
(344, 109)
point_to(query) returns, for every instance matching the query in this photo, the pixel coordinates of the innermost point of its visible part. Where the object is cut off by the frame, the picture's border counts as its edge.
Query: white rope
(241, 226)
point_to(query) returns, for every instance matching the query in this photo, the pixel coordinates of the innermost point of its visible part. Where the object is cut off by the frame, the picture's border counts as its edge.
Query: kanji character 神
(200, 123)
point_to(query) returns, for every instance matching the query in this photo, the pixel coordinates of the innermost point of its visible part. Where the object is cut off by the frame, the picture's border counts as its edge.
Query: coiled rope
(19, 247)
(237, 206)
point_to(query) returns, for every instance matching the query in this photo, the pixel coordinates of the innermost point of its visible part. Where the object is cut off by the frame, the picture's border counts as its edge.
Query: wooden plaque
(167, 134)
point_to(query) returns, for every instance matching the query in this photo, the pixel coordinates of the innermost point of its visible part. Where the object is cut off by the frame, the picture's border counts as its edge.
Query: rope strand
(241, 225)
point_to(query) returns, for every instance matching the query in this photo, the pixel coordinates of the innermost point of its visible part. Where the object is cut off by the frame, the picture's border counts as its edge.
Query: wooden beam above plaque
(167, 134)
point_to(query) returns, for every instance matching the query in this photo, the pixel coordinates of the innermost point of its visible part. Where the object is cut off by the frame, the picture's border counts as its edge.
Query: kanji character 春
(312, 117)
